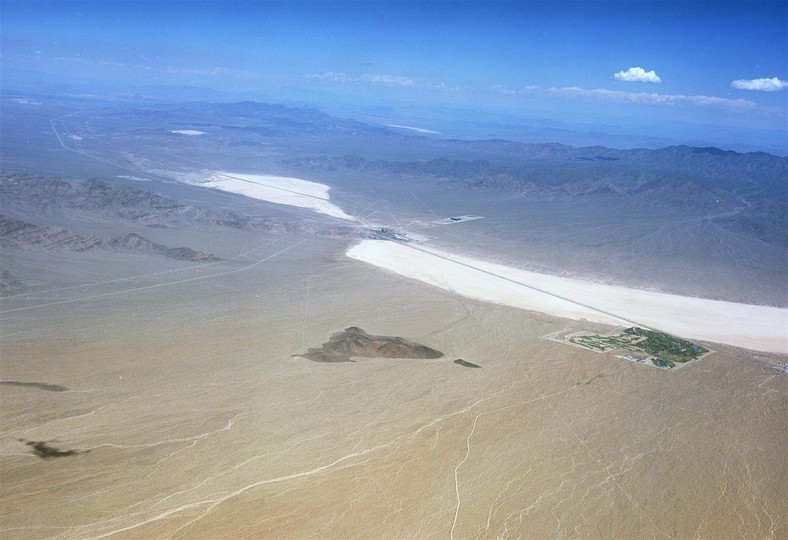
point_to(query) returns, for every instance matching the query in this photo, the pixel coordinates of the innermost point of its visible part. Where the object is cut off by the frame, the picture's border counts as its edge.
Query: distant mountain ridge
(745, 193)
(266, 119)
(751, 186)
(715, 167)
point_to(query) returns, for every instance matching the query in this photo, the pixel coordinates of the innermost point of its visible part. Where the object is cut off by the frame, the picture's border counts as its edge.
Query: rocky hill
(355, 342)
(15, 233)
(43, 194)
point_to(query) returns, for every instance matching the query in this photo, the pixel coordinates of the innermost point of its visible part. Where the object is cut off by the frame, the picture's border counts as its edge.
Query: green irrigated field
(665, 350)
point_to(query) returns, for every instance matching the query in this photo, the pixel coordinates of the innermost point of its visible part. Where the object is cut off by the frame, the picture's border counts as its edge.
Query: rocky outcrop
(8, 282)
(355, 342)
(136, 242)
(18, 233)
(101, 198)
(15, 233)
(120, 203)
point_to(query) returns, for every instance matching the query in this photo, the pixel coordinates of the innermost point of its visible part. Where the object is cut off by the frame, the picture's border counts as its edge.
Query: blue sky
(547, 59)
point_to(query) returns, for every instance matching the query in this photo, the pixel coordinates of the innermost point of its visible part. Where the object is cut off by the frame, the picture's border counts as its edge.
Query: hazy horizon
(648, 73)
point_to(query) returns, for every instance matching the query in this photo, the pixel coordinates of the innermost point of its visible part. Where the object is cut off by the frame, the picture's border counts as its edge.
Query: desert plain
(154, 383)
(189, 416)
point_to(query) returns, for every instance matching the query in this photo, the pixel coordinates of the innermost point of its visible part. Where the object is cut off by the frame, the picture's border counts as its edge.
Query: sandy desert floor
(189, 417)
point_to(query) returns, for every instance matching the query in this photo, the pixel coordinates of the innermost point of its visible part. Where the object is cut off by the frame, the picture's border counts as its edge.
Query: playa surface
(278, 189)
(761, 328)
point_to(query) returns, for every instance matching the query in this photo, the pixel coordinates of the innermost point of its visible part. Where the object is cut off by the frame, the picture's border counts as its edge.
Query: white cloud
(646, 98)
(381, 80)
(637, 74)
(329, 76)
(504, 90)
(26, 101)
(387, 80)
(638, 98)
(208, 72)
(761, 85)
